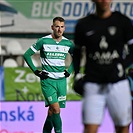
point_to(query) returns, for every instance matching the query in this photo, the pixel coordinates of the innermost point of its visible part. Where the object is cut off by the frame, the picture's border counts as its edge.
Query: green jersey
(52, 55)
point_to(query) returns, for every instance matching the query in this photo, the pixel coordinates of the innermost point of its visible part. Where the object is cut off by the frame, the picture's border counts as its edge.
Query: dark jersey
(106, 42)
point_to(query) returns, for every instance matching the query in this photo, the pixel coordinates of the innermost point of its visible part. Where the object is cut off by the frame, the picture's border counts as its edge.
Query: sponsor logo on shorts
(50, 98)
(61, 98)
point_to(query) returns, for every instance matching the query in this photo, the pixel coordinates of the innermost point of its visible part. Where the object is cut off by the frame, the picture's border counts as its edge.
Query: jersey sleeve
(38, 45)
(32, 50)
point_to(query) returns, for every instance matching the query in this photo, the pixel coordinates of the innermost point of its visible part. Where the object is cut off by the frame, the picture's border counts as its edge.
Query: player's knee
(122, 129)
(55, 108)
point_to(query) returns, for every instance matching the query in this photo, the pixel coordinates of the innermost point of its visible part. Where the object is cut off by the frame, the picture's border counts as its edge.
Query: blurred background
(21, 24)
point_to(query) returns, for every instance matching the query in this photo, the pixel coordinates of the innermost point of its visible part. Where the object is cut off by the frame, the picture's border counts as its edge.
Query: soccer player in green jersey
(53, 51)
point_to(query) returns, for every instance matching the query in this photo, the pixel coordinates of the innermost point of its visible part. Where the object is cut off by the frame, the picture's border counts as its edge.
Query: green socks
(57, 123)
(53, 121)
(48, 125)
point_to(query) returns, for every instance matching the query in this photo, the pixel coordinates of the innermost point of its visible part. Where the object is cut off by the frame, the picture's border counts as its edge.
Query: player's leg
(61, 98)
(93, 104)
(61, 102)
(53, 119)
(56, 119)
(55, 97)
(90, 128)
(122, 129)
(48, 125)
(119, 105)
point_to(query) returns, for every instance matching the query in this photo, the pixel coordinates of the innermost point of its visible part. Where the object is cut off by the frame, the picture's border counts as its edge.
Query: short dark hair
(58, 19)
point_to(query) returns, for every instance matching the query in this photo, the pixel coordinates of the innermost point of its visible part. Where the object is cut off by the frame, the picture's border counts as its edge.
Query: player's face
(58, 28)
(103, 5)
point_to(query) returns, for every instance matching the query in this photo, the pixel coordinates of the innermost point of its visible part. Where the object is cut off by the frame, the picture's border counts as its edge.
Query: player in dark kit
(108, 39)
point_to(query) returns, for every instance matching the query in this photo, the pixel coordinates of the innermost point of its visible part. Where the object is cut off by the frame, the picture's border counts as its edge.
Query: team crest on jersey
(112, 30)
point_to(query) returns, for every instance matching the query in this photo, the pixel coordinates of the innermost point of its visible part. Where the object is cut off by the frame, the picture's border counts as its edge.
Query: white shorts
(115, 96)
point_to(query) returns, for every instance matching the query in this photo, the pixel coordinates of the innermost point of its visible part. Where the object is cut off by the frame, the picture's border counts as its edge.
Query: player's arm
(70, 68)
(27, 57)
(79, 41)
(76, 59)
(78, 77)
(129, 39)
(71, 50)
(32, 50)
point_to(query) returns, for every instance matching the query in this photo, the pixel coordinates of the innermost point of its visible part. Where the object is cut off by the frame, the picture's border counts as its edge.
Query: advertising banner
(37, 15)
(21, 84)
(1, 84)
(28, 117)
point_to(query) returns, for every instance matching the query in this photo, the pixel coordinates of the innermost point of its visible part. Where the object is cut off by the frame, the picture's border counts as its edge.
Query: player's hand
(66, 74)
(41, 74)
(79, 83)
(130, 72)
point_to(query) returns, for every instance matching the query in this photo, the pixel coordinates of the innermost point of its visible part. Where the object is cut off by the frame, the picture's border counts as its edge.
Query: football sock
(48, 125)
(57, 123)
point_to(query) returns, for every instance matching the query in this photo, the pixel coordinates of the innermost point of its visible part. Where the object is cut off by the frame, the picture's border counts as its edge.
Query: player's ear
(52, 27)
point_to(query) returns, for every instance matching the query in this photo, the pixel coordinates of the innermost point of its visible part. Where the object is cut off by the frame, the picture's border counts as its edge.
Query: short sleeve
(38, 45)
